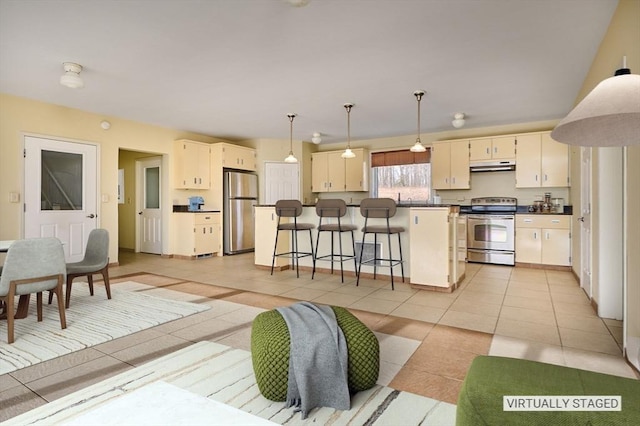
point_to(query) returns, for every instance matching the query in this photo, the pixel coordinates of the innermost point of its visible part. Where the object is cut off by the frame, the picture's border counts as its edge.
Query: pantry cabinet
(543, 239)
(332, 173)
(498, 148)
(192, 165)
(197, 234)
(450, 165)
(541, 162)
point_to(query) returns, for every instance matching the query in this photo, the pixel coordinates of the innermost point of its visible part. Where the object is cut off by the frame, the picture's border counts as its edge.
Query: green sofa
(489, 378)
(270, 353)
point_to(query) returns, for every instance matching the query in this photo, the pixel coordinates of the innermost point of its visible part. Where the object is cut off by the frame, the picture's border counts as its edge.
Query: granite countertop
(401, 205)
(185, 209)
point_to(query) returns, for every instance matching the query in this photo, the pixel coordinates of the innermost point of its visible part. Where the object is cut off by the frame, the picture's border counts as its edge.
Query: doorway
(149, 189)
(585, 220)
(61, 187)
(281, 182)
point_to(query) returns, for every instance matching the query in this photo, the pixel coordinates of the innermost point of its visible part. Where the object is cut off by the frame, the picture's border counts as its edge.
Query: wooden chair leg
(58, 290)
(10, 313)
(90, 279)
(105, 277)
(68, 295)
(39, 305)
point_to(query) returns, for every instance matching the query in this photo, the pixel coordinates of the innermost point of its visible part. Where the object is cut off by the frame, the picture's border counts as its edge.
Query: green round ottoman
(270, 353)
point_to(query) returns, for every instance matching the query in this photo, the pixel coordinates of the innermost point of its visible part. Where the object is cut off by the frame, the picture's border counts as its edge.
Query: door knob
(581, 218)
(139, 212)
(91, 216)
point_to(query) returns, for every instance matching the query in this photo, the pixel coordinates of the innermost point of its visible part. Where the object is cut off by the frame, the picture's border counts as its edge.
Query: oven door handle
(490, 217)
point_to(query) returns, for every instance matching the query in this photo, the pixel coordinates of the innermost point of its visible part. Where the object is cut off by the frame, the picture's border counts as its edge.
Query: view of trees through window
(409, 182)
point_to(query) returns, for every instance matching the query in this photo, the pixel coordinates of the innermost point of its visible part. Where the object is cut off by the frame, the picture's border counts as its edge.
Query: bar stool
(335, 208)
(380, 208)
(292, 208)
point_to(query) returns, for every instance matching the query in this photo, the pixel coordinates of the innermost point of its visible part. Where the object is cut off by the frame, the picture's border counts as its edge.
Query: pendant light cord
(291, 117)
(348, 108)
(419, 98)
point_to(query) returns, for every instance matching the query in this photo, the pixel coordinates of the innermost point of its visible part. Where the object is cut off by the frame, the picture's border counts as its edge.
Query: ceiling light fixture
(347, 152)
(291, 158)
(458, 120)
(71, 77)
(418, 147)
(608, 116)
(315, 138)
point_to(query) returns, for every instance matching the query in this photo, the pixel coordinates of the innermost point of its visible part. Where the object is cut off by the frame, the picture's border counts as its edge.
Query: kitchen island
(433, 244)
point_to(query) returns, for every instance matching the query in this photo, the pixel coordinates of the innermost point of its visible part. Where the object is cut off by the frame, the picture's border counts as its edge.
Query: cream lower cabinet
(433, 247)
(197, 234)
(450, 165)
(541, 162)
(543, 239)
(266, 226)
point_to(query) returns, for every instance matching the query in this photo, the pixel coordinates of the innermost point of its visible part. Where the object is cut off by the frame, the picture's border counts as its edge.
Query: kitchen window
(403, 175)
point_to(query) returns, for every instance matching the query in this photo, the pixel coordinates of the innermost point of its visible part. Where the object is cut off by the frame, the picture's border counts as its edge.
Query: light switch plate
(105, 198)
(14, 197)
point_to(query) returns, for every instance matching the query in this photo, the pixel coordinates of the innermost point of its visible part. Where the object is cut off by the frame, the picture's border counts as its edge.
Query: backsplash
(501, 184)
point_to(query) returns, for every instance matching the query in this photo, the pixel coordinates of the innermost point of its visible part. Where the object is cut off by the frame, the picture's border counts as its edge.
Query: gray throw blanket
(318, 359)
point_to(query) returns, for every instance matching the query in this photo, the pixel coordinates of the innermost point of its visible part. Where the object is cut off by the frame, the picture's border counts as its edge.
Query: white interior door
(148, 181)
(585, 220)
(282, 181)
(60, 193)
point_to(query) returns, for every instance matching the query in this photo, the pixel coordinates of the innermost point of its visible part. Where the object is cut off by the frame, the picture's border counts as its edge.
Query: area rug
(91, 320)
(223, 374)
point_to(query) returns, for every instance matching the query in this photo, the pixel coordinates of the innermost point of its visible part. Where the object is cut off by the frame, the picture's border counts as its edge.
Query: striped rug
(91, 320)
(225, 375)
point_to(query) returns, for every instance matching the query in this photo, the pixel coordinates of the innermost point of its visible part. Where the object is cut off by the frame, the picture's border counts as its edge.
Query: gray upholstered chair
(32, 266)
(380, 209)
(95, 261)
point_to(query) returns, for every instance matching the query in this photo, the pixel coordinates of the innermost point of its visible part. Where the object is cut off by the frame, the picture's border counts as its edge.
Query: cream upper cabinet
(238, 157)
(543, 239)
(541, 162)
(499, 148)
(450, 165)
(332, 173)
(357, 171)
(192, 168)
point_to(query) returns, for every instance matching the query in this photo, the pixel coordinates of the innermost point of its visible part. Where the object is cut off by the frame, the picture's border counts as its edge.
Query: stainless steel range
(491, 230)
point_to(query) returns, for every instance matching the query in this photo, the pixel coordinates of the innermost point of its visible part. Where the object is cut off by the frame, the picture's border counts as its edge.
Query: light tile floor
(518, 312)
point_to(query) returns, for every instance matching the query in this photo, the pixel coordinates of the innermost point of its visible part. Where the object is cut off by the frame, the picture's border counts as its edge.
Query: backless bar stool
(292, 208)
(380, 208)
(335, 208)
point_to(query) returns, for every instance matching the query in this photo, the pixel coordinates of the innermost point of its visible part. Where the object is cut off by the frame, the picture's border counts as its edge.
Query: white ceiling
(235, 68)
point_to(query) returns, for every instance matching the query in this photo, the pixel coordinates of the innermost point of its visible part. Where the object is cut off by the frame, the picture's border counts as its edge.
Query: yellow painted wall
(19, 116)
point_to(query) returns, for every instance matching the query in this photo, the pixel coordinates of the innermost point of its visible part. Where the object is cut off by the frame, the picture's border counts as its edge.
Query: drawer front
(207, 218)
(543, 221)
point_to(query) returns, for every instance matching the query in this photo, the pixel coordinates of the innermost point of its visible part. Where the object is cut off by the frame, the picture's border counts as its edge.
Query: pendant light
(291, 158)
(418, 147)
(608, 116)
(347, 152)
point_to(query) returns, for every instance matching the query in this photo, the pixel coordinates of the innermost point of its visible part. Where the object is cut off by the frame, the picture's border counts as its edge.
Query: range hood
(492, 166)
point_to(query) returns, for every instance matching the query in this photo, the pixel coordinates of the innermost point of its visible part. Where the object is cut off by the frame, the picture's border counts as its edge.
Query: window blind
(400, 157)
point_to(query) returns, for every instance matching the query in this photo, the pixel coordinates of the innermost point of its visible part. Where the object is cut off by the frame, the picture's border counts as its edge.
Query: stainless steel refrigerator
(240, 195)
